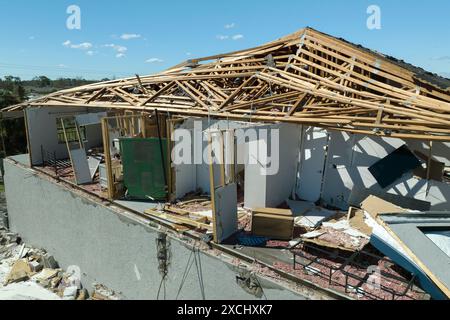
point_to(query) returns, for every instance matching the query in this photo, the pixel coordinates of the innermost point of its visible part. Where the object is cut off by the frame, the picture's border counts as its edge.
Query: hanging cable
(199, 273)
(184, 277)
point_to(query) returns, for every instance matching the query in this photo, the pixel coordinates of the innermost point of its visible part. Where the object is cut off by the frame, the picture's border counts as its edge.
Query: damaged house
(350, 198)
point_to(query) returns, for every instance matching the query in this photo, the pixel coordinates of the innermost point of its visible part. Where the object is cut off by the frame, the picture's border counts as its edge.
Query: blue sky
(122, 38)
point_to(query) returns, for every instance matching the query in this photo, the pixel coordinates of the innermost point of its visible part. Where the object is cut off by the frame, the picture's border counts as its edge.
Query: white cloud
(225, 37)
(120, 50)
(81, 46)
(61, 65)
(129, 36)
(154, 60)
(222, 37)
(230, 26)
(188, 54)
(91, 53)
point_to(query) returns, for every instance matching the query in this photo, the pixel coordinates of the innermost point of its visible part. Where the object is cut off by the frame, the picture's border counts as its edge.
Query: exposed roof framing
(307, 77)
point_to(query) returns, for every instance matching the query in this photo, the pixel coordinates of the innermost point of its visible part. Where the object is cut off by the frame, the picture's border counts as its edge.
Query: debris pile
(103, 293)
(33, 274)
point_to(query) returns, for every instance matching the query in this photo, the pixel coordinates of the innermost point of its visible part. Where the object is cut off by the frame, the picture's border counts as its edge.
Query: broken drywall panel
(299, 208)
(344, 226)
(225, 212)
(94, 164)
(80, 166)
(42, 132)
(307, 214)
(394, 166)
(312, 163)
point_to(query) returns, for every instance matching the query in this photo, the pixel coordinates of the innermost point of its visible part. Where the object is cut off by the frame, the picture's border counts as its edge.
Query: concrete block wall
(113, 248)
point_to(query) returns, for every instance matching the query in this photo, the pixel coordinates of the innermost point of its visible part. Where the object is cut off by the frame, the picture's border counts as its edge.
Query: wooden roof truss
(307, 78)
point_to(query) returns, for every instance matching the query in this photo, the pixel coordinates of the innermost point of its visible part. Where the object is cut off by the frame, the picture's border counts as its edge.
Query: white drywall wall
(348, 161)
(42, 131)
(94, 136)
(191, 177)
(312, 163)
(279, 187)
(439, 196)
(271, 190)
(338, 181)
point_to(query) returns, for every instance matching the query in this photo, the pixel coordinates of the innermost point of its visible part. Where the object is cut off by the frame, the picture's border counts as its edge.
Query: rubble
(103, 293)
(28, 273)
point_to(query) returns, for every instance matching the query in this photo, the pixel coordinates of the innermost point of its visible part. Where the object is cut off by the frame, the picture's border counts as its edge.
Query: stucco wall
(116, 249)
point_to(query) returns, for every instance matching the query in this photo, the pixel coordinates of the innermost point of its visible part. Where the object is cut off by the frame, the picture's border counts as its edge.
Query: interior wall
(279, 187)
(312, 162)
(94, 136)
(196, 176)
(350, 156)
(272, 190)
(185, 174)
(42, 131)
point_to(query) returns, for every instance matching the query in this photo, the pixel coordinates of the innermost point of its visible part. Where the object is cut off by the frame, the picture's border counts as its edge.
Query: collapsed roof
(307, 77)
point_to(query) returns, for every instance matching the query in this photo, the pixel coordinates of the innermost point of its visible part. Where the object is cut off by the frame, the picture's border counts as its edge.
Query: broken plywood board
(376, 206)
(225, 212)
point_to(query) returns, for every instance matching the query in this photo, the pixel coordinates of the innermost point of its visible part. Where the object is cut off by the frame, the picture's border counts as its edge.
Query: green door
(143, 169)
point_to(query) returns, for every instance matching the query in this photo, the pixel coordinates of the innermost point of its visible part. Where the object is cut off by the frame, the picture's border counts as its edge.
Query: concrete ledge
(118, 249)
